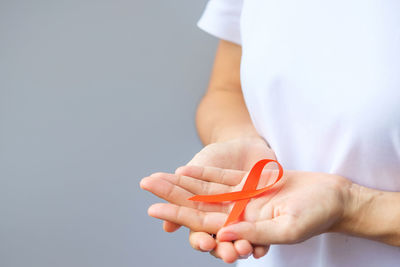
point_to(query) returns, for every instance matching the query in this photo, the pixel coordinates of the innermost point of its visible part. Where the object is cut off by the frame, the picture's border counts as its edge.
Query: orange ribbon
(248, 191)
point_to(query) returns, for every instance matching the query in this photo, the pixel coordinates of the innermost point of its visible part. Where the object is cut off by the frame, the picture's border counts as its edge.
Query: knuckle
(179, 214)
(222, 176)
(158, 175)
(206, 188)
(178, 179)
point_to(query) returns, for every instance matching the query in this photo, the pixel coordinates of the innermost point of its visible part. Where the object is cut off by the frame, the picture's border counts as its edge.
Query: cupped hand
(237, 154)
(302, 205)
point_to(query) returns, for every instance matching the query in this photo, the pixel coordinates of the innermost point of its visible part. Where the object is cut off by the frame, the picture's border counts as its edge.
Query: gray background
(95, 95)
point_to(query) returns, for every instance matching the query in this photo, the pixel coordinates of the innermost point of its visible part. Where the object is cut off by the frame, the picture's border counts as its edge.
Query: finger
(225, 251)
(177, 195)
(170, 226)
(193, 219)
(276, 231)
(260, 251)
(243, 248)
(193, 185)
(212, 174)
(202, 241)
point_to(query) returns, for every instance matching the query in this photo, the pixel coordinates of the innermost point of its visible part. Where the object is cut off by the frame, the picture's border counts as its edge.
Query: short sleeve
(221, 18)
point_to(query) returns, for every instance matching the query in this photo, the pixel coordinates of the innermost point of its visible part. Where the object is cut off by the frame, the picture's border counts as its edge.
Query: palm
(176, 189)
(303, 205)
(236, 154)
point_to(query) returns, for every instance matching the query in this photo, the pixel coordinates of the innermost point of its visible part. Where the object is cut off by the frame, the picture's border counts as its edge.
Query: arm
(372, 214)
(225, 127)
(222, 114)
(306, 204)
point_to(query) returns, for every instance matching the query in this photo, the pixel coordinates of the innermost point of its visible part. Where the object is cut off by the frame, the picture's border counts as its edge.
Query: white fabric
(321, 80)
(221, 18)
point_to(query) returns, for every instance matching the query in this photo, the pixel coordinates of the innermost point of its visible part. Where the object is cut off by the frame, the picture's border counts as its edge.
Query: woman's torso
(321, 80)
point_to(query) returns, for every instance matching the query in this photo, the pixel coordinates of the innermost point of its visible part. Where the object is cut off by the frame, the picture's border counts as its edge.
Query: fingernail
(143, 183)
(178, 170)
(245, 256)
(202, 247)
(205, 250)
(229, 236)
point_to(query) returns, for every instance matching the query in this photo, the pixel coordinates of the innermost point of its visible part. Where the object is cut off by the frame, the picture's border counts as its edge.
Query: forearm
(222, 115)
(372, 214)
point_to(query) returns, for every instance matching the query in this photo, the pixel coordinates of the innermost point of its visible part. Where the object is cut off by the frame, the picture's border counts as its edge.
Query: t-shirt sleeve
(221, 18)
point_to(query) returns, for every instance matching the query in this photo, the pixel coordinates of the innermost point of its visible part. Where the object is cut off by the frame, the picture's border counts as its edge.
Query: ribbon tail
(248, 191)
(236, 211)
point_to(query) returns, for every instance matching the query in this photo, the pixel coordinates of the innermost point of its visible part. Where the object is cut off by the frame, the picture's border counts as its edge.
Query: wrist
(233, 133)
(351, 210)
(246, 134)
(371, 214)
(247, 140)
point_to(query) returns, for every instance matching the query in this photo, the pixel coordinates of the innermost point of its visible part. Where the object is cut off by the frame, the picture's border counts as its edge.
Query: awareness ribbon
(248, 191)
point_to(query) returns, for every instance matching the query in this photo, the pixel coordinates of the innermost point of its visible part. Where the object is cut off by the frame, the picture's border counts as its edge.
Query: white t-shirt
(321, 80)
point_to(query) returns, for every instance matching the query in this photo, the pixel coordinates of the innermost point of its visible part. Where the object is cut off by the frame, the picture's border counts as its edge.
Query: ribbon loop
(248, 191)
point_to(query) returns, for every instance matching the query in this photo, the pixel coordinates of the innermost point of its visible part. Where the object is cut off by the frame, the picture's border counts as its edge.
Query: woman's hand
(238, 154)
(304, 204)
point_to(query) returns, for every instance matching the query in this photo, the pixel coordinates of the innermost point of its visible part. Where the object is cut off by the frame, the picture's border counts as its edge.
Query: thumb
(259, 233)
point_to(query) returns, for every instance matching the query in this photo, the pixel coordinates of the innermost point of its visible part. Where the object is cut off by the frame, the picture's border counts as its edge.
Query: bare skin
(302, 205)
(237, 154)
(225, 127)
